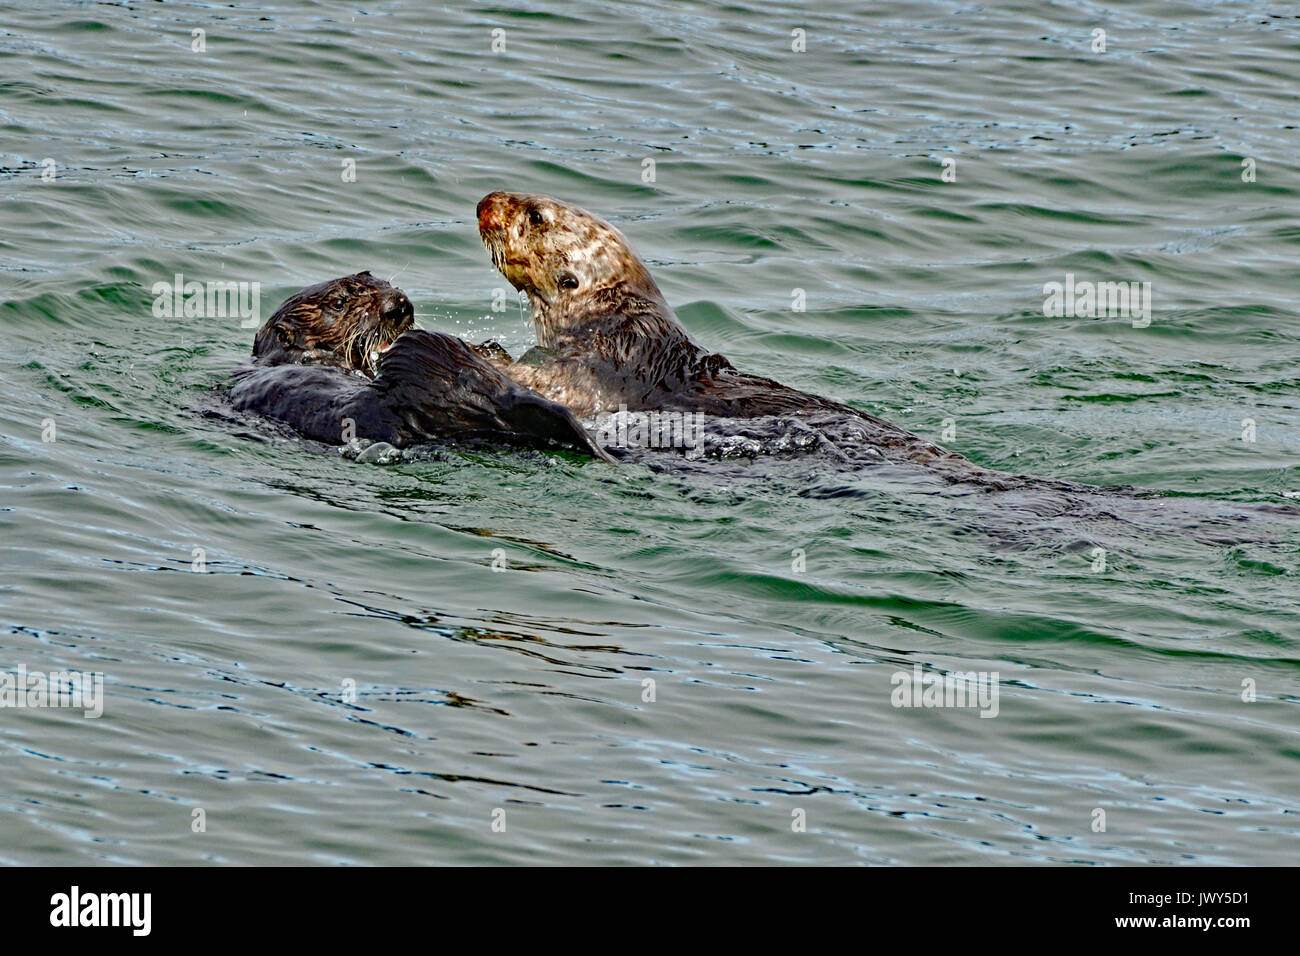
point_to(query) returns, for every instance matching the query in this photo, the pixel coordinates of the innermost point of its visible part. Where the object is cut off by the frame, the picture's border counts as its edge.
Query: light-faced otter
(606, 336)
(340, 360)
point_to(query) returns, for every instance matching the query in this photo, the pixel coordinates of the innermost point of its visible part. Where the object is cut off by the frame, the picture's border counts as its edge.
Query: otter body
(314, 359)
(606, 336)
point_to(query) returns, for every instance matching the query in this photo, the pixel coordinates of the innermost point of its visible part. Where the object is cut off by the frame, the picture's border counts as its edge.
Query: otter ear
(364, 272)
(271, 339)
(286, 336)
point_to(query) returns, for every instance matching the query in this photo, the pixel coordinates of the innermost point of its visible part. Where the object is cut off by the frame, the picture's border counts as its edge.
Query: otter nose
(491, 211)
(397, 309)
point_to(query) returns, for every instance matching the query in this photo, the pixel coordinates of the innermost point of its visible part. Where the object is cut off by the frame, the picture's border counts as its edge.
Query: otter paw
(380, 453)
(536, 356)
(493, 353)
(355, 447)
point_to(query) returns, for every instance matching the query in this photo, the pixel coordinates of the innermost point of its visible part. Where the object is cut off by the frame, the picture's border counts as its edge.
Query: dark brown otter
(314, 358)
(344, 322)
(606, 336)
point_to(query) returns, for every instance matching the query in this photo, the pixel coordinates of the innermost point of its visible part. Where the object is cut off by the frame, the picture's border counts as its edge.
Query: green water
(770, 603)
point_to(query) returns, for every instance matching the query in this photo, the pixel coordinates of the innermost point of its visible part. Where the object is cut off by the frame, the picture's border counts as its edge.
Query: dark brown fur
(313, 359)
(344, 322)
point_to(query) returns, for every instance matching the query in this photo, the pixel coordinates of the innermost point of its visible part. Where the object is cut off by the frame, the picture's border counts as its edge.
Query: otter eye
(337, 304)
(535, 217)
(568, 280)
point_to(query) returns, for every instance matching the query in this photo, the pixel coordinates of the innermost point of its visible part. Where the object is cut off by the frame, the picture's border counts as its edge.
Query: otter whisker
(360, 347)
(368, 343)
(346, 347)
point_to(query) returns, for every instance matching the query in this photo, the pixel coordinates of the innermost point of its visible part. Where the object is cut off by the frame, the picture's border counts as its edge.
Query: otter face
(560, 255)
(346, 322)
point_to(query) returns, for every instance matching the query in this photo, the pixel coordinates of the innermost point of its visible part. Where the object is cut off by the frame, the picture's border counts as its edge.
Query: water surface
(769, 602)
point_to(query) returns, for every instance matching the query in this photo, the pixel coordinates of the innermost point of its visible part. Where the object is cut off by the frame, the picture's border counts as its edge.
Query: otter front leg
(536, 356)
(570, 383)
(493, 354)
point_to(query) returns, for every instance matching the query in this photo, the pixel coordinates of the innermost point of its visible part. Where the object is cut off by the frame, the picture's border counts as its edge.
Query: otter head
(346, 322)
(571, 264)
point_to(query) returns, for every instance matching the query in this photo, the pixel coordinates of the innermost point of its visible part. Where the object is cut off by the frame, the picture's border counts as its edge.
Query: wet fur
(612, 339)
(342, 322)
(427, 386)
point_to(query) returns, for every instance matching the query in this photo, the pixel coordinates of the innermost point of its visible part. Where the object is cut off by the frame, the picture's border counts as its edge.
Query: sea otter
(340, 360)
(344, 323)
(606, 336)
